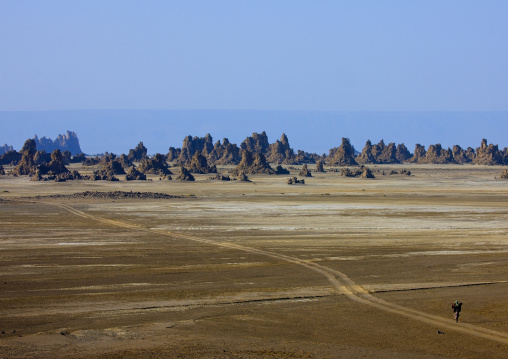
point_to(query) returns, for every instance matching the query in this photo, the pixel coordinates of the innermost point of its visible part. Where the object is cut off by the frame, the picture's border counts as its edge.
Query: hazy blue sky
(325, 58)
(264, 55)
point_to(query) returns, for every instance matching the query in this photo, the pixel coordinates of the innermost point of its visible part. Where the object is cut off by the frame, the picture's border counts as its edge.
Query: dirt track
(168, 298)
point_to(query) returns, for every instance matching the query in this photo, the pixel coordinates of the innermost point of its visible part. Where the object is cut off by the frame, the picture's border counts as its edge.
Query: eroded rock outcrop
(281, 152)
(173, 154)
(138, 153)
(68, 142)
(253, 164)
(419, 154)
(192, 145)
(305, 172)
(320, 166)
(55, 167)
(185, 175)
(199, 164)
(363, 172)
(225, 153)
(281, 170)
(11, 158)
(219, 177)
(134, 175)
(5, 148)
(295, 180)
(2, 171)
(155, 165)
(27, 165)
(257, 143)
(488, 155)
(462, 156)
(343, 155)
(403, 155)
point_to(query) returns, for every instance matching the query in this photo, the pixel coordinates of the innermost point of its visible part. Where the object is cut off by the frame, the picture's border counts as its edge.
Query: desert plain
(335, 268)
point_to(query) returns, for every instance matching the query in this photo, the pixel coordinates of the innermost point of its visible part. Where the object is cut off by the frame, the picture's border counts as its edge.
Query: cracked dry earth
(337, 268)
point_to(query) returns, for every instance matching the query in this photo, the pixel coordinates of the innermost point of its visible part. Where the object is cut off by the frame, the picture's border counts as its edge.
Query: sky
(363, 57)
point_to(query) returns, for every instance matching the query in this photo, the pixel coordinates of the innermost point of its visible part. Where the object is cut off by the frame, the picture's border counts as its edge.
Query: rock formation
(295, 180)
(224, 154)
(2, 171)
(257, 143)
(173, 154)
(281, 170)
(281, 152)
(10, 158)
(242, 177)
(462, 156)
(134, 175)
(419, 154)
(192, 145)
(363, 172)
(342, 156)
(504, 174)
(254, 164)
(155, 165)
(305, 157)
(5, 148)
(199, 164)
(56, 165)
(320, 166)
(220, 177)
(111, 164)
(305, 172)
(488, 155)
(379, 153)
(185, 175)
(27, 165)
(438, 155)
(138, 153)
(402, 155)
(366, 156)
(68, 142)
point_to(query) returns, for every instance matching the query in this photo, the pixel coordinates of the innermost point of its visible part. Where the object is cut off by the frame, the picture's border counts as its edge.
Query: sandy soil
(335, 268)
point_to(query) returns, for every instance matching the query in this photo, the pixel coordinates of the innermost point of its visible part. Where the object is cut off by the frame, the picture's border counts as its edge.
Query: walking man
(457, 307)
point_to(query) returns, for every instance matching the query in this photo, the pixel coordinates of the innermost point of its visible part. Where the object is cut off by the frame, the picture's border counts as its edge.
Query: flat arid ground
(336, 268)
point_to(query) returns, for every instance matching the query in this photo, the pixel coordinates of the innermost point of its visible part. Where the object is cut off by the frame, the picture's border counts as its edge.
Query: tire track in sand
(340, 281)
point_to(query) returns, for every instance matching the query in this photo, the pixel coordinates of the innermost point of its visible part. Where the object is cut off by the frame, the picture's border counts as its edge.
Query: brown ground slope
(338, 268)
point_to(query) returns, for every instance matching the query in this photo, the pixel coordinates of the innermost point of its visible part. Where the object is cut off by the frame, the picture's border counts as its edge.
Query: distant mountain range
(68, 142)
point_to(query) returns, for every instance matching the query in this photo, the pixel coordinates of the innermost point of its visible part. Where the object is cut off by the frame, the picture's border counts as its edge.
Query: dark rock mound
(305, 172)
(199, 164)
(2, 171)
(137, 153)
(320, 166)
(112, 195)
(185, 175)
(219, 177)
(155, 165)
(55, 167)
(438, 155)
(253, 164)
(504, 174)
(363, 172)
(342, 156)
(281, 170)
(79, 158)
(243, 177)
(134, 175)
(294, 180)
(10, 158)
